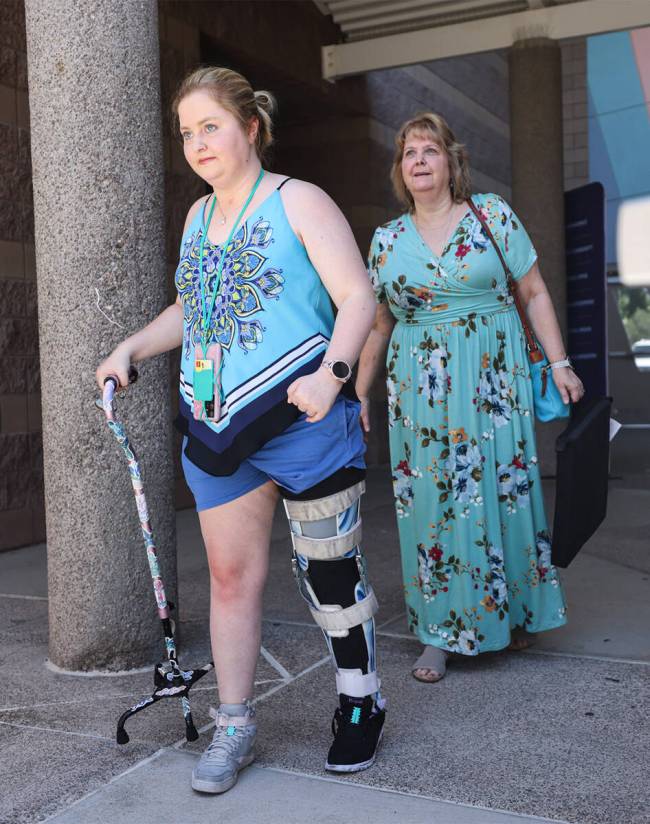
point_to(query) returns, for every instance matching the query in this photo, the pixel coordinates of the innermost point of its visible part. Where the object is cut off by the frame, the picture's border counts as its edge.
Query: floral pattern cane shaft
(171, 681)
(136, 481)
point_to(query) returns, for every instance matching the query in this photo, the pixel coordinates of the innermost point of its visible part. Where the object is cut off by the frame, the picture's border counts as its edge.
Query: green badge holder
(203, 380)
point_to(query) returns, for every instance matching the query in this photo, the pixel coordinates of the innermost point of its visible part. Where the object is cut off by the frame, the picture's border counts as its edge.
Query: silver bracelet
(560, 364)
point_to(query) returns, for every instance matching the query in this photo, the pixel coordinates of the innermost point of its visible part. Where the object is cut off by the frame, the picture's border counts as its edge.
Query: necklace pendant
(223, 221)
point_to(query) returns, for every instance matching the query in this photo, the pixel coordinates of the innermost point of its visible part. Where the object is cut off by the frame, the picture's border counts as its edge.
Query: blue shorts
(296, 459)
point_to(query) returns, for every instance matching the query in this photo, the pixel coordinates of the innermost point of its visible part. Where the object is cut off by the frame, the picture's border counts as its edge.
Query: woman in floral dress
(476, 553)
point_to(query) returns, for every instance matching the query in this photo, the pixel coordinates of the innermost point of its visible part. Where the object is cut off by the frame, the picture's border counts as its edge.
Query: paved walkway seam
(290, 623)
(23, 597)
(603, 658)
(333, 780)
(277, 666)
(126, 695)
(390, 620)
(59, 732)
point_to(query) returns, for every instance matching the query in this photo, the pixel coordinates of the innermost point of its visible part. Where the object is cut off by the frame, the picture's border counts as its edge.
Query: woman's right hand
(364, 415)
(117, 363)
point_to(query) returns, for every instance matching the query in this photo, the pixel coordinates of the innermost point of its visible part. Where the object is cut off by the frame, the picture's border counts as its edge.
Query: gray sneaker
(231, 750)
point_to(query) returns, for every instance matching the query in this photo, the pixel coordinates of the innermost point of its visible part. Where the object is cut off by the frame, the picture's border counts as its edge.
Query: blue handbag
(547, 400)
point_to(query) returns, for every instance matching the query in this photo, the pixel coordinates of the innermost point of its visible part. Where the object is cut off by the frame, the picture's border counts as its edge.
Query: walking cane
(170, 681)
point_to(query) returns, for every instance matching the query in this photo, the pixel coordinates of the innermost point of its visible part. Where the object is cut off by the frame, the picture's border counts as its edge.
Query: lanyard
(207, 315)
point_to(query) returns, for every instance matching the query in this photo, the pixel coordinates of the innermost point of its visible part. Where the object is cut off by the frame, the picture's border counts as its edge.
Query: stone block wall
(22, 519)
(337, 135)
(470, 92)
(575, 112)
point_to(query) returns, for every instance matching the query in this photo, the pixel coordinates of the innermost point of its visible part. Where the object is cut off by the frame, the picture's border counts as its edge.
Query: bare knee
(235, 581)
(236, 537)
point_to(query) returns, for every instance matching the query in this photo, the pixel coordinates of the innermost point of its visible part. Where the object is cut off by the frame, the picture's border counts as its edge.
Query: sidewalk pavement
(557, 733)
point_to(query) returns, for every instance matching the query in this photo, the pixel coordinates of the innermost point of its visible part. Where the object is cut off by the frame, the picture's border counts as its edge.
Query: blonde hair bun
(266, 102)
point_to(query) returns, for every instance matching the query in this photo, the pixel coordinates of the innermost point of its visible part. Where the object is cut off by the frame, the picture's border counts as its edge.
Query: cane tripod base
(170, 682)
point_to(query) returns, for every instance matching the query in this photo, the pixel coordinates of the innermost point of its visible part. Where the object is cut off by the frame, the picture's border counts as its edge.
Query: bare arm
(539, 308)
(374, 352)
(332, 249)
(372, 358)
(165, 332)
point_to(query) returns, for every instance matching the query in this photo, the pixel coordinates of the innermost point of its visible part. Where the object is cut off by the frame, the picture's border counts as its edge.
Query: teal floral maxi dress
(476, 553)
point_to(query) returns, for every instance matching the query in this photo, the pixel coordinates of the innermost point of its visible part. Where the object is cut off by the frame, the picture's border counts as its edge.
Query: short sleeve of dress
(374, 261)
(519, 252)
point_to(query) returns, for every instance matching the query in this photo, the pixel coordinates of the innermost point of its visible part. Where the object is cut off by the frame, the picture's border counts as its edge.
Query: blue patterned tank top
(273, 319)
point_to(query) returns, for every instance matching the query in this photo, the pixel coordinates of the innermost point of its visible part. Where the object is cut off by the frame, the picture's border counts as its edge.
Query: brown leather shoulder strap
(534, 352)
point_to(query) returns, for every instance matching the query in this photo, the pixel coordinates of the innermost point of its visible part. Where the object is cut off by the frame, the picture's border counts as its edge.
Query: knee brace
(331, 575)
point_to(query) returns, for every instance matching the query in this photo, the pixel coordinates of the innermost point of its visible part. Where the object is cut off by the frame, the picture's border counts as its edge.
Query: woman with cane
(267, 410)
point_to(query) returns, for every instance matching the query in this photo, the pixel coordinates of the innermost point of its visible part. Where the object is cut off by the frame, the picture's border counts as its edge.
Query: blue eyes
(208, 128)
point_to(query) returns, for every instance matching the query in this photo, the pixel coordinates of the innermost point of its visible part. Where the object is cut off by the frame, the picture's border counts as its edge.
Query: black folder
(581, 478)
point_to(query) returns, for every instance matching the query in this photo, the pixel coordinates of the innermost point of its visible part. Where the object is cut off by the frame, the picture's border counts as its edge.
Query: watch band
(560, 364)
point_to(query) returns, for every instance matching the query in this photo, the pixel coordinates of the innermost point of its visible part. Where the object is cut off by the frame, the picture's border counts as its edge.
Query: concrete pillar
(94, 95)
(537, 177)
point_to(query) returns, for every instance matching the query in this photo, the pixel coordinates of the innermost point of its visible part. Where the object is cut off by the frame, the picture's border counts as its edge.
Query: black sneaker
(357, 727)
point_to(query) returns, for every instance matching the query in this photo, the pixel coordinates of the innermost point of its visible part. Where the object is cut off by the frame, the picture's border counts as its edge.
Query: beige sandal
(431, 666)
(520, 640)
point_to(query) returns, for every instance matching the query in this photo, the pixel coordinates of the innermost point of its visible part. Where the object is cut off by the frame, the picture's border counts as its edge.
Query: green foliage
(634, 307)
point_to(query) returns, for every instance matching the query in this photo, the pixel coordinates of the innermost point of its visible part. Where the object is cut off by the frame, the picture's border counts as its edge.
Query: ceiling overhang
(388, 33)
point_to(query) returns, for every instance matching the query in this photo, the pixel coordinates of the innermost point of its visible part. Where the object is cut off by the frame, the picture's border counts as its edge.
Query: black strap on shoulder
(207, 200)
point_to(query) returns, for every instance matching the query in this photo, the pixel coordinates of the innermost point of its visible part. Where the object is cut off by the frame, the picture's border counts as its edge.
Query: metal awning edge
(557, 22)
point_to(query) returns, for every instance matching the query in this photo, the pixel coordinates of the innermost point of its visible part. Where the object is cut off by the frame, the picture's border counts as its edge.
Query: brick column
(537, 178)
(574, 113)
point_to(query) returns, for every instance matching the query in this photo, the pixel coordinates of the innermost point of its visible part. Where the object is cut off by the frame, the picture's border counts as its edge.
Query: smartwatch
(339, 369)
